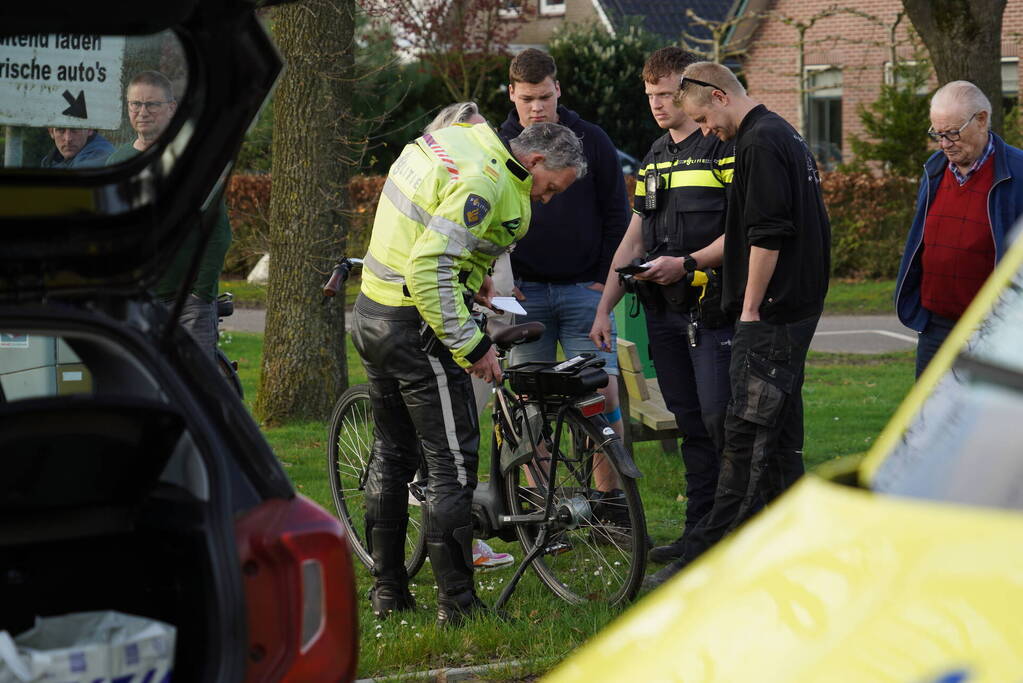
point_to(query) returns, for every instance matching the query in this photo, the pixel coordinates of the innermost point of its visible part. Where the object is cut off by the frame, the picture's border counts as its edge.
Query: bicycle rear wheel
(349, 448)
(596, 548)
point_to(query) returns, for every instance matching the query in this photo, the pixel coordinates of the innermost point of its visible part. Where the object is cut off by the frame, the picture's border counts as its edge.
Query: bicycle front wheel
(596, 544)
(349, 449)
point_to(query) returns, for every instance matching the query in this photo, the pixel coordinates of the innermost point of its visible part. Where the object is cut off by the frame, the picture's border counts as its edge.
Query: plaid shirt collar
(988, 151)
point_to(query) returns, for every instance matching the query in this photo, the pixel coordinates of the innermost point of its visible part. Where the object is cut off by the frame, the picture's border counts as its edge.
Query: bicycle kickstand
(538, 547)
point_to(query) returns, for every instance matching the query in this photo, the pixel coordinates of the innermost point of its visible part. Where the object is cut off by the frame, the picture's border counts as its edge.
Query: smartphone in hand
(632, 268)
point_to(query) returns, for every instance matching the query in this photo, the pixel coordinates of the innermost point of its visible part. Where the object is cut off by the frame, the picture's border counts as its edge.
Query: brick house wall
(541, 25)
(852, 44)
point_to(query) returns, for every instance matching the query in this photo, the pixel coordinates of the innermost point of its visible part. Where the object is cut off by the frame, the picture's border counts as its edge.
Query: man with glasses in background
(777, 258)
(151, 106)
(970, 196)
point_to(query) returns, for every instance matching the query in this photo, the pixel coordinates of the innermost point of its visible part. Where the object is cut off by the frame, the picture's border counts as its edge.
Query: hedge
(869, 219)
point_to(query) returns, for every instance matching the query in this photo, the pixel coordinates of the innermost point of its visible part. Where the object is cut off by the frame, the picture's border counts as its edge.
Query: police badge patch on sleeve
(475, 210)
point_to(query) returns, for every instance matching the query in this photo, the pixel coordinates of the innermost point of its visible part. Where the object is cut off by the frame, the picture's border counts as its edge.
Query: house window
(1010, 83)
(909, 70)
(824, 114)
(510, 9)
(552, 7)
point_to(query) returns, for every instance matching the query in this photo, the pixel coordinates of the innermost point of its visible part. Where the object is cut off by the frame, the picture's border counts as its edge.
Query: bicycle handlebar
(340, 275)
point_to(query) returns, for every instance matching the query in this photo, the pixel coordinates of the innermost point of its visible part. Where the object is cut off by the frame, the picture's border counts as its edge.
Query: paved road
(862, 334)
(835, 334)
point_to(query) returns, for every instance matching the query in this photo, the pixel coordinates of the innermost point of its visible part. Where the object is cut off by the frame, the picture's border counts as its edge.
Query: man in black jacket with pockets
(776, 264)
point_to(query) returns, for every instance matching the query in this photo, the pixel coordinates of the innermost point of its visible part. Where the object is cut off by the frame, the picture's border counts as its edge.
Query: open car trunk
(106, 504)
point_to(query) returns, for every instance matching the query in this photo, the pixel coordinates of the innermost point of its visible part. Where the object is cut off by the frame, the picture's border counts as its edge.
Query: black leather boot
(390, 592)
(451, 558)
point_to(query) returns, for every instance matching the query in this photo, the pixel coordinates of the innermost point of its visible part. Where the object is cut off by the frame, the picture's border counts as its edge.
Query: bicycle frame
(491, 510)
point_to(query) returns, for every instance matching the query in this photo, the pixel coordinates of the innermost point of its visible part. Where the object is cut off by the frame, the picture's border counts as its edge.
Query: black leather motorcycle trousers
(423, 411)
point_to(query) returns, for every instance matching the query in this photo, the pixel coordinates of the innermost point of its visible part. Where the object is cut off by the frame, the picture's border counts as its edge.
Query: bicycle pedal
(557, 548)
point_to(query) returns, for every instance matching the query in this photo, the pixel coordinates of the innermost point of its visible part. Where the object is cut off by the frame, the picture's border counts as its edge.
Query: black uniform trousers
(694, 384)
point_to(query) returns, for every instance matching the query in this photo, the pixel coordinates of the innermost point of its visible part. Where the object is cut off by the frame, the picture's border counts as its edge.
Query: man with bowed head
(777, 258)
(454, 200)
(970, 195)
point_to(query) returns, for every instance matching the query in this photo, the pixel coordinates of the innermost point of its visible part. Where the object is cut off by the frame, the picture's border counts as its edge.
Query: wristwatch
(689, 263)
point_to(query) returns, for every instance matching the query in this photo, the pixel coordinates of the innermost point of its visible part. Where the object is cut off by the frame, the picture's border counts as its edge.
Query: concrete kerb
(468, 673)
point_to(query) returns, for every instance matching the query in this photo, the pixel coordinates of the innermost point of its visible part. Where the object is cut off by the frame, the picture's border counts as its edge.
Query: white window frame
(511, 12)
(551, 8)
(1015, 63)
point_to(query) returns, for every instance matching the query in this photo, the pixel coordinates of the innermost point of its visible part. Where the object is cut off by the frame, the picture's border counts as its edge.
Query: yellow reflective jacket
(453, 201)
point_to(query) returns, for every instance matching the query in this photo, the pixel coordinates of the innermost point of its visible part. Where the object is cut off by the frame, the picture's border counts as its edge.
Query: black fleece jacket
(774, 202)
(573, 237)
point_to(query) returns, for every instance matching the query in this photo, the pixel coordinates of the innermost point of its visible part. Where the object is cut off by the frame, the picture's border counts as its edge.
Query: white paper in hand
(508, 304)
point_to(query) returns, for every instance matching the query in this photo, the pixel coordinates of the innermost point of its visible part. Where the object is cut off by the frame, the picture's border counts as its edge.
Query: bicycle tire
(349, 445)
(226, 368)
(599, 560)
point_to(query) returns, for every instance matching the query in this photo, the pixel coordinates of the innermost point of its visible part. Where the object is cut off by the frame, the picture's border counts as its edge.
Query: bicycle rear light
(594, 405)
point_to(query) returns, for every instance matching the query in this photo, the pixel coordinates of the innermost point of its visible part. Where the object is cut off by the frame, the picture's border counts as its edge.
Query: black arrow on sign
(77, 108)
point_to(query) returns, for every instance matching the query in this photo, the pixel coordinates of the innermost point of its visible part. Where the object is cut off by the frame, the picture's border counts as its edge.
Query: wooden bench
(648, 418)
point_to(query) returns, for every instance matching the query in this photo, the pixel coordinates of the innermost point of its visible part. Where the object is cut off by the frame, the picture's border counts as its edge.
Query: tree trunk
(964, 39)
(304, 364)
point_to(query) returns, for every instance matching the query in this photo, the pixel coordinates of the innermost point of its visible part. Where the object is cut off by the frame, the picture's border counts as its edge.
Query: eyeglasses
(135, 106)
(686, 81)
(952, 135)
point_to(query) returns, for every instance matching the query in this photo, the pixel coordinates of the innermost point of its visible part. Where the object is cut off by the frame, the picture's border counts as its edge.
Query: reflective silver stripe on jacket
(385, 273)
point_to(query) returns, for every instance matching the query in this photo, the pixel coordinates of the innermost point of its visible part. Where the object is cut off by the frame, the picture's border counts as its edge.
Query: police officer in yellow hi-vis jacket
(453, 201)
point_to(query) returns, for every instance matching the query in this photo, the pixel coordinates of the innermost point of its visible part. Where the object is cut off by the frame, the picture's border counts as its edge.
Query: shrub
(248, 203)
(870, 217)
(893, 124)
(601, 79)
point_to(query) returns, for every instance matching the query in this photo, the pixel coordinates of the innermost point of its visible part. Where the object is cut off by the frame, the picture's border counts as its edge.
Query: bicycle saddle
(506, 336)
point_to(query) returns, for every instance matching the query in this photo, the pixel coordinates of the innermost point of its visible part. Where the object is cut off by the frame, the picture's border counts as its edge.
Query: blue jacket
(94, 153)
(1004, 206)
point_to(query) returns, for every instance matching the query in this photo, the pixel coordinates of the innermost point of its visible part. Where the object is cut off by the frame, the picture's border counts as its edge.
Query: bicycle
(228, 368)
(549, 433)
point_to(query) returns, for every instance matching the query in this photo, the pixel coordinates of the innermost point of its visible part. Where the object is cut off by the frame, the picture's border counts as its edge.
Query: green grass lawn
(247, 295)
(848, 398)
(844, 297)
(847, 297)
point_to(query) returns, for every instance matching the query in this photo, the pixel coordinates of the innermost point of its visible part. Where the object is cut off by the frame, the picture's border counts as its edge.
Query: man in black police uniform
(776, 264)
(677, 227)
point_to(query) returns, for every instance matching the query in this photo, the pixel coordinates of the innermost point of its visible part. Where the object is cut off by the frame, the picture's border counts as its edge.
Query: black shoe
(658, 579)
(387, 599)
(663, 554)
(453, 612)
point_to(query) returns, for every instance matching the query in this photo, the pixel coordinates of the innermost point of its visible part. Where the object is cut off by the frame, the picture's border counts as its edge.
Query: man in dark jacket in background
(777, 261)
(77, 148)
(562, 263)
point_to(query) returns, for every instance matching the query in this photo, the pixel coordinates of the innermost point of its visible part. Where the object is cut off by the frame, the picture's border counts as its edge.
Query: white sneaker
(484, 557)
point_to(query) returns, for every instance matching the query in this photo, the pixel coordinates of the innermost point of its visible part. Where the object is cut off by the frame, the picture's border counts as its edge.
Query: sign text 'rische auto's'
(63, 80)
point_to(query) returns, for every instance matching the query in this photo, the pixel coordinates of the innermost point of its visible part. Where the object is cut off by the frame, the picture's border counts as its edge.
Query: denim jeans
(567, 312)
(931, 339)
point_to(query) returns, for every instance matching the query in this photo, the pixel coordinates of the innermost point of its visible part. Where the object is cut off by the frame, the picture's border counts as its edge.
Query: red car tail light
(300, 593)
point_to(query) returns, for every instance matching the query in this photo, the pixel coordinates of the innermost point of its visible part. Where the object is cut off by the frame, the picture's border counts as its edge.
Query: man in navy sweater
(561, 264)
